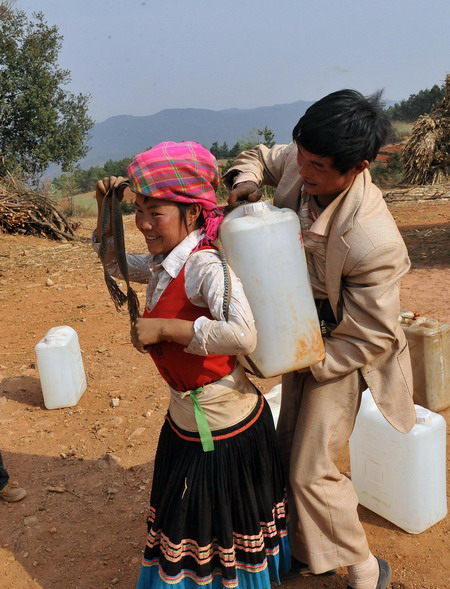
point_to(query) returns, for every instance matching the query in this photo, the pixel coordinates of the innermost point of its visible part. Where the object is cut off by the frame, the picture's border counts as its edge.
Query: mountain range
(125, 135)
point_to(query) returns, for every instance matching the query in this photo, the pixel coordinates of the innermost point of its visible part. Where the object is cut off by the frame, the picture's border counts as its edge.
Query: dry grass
(426, 155)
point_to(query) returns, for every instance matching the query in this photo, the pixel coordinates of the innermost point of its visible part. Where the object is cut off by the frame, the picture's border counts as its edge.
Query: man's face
(319, 176)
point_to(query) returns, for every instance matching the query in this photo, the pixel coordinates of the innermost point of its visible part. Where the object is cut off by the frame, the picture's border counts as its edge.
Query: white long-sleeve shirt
(229, 400)
(204, 282)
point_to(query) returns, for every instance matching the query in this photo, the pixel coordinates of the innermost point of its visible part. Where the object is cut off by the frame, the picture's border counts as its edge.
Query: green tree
(65, 185)
(85, 180)
(416, 105)
(268, 136)
(235, 150)
(389, 175)
(254, 136)
(117, 168)
(224, 150)
(249, 139)
(215, 149)
(40, 122)
(220, 152)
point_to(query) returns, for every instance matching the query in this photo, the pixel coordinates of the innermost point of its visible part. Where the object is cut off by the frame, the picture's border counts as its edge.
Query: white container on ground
(264, 246)
(401, 477)
(61, 369)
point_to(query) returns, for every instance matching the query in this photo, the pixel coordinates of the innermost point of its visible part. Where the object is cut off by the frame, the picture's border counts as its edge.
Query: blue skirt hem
(149, 577)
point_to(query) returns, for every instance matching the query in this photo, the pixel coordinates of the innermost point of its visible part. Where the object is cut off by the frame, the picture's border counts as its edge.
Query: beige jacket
(366, 257)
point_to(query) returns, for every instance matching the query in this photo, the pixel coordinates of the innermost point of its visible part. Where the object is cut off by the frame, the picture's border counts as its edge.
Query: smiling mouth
(151, 238)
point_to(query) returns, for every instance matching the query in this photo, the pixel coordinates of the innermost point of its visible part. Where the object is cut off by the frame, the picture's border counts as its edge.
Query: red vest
(181, 370)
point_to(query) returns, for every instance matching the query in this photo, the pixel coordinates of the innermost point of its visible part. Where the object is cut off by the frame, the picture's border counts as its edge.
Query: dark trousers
(4, 477)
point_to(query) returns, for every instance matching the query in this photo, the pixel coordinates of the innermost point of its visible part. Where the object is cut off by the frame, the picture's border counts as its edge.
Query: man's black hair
(344, 125)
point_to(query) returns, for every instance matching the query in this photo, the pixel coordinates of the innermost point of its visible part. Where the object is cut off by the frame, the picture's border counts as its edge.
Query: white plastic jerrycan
(264, 247)
(61, 369)
(401, 477)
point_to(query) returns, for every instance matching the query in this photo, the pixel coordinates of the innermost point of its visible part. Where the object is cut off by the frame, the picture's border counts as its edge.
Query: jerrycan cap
(255, 208)
(57, 335)
(423, 415)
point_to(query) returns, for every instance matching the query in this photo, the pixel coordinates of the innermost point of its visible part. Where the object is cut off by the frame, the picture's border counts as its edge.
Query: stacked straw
(426, 155)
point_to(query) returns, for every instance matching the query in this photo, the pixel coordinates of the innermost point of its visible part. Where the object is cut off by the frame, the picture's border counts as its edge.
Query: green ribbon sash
(202, 423)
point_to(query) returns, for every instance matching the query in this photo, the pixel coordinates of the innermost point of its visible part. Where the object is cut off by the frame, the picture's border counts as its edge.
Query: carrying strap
(111, 217)
(226, 281)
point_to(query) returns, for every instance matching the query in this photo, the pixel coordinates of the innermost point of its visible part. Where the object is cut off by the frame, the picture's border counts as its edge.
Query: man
(10, 492)
(356, 258)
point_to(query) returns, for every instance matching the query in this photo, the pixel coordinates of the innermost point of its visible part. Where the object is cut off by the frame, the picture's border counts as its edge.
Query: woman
(217, 506)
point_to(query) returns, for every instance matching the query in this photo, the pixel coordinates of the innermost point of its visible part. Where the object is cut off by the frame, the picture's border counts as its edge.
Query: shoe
(12, 493)
(384, 578)
(301, 569)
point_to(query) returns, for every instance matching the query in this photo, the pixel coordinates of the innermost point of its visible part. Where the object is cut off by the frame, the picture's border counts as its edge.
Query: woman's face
(161, 223)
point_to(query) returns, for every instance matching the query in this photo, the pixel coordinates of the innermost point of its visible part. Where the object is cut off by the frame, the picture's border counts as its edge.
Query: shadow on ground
(428, 245)
(67, 494)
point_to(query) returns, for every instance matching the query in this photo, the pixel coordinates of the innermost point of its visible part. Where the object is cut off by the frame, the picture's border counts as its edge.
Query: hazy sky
(138, 57)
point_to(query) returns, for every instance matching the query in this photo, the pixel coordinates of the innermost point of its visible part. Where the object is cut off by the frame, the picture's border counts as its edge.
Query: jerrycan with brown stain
(429, 346)
(264, 247)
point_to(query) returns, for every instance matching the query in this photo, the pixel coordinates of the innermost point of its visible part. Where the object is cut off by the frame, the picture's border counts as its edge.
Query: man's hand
(244, 191)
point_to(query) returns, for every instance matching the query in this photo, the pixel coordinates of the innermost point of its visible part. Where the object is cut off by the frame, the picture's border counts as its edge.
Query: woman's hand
(101, 188)
(147, 331)
(105, 184)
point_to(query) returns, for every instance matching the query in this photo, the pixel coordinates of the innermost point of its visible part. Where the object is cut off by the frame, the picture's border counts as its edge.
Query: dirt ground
(88, 469)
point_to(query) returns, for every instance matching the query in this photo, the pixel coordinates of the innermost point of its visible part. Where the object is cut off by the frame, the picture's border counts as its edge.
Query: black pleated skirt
(219, 518)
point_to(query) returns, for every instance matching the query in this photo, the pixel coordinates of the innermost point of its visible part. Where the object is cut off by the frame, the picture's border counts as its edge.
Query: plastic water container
(264, 247)
(429, 346)
(273, 397)
(401, 477)
(61, 369)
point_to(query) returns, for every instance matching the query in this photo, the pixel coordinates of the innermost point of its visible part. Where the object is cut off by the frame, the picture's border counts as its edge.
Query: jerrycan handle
(423, 415)
(256, 208)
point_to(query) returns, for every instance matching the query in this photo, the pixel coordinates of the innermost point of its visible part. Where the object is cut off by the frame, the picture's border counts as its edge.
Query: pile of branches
(420, 192)
(426, 155)
(25, 212)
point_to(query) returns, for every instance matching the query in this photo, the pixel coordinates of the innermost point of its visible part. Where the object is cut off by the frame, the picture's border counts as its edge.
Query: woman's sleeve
(138, 264)
(205, 287)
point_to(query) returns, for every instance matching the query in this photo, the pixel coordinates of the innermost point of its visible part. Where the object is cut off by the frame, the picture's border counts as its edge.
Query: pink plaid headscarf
(180, 172)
